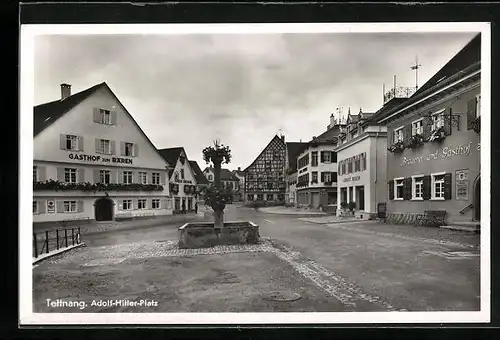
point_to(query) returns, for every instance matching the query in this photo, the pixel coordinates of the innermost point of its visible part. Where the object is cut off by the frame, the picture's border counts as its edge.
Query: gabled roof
(239, 172)
(171, 155)
(294, 150)
(276, 137)
(225, 174)
(198, 174)
(46, 114)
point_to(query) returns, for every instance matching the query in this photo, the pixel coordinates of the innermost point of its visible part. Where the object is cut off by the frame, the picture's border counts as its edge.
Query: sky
(188, 90)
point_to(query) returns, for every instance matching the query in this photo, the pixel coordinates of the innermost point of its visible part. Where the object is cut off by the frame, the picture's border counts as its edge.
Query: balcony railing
(399, 92)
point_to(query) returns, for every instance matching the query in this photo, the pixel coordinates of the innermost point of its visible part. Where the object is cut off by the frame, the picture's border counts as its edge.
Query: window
(105, 146)
(69, 206)
(417, 128)
(105, 176)
(314, 177)
(250, 197)
(398, 135)
(478, 106)
(437, 120)
(35, 207)
(141, 203)
(129, 149)
(104, 116)
(269, 197)
(182, 173)
(70, 175)
(156, 178)
(344, 167)
(143, 177)
(71, 142)
(155, 203)
(417, 187)
(127, 204)
(357, 163)
(260, 197)
(35, 173)
(127, 177)
(398, 188)
(314, 158)
(327, 176)
(327, 157)
(363, 161)
(349, 166)
(437, 185)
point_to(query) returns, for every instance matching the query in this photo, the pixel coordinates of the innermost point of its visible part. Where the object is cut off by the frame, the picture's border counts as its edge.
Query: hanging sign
(462, 185)
(445, 153)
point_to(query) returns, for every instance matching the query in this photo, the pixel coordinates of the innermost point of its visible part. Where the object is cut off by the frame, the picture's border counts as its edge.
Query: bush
(351, 206)
(344, 205)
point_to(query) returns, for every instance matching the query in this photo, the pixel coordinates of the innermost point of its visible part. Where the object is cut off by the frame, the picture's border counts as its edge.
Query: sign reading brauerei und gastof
(95, 158)
(446, 152)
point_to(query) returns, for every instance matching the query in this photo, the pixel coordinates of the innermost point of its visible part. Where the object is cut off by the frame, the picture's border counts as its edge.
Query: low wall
(204, 234)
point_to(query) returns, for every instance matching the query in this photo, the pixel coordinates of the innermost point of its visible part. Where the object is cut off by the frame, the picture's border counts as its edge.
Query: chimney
(332, 120)
(283, 138)
(65, 91)
(239, 168)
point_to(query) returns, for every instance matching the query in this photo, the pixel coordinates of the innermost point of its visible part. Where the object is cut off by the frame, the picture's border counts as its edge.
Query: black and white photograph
(264, 173)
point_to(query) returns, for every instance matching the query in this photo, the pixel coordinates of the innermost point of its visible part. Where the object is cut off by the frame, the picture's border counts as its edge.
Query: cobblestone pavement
(351, 296)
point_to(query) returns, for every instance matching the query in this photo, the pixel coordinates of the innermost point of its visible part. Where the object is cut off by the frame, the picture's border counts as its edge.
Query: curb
(57, 252)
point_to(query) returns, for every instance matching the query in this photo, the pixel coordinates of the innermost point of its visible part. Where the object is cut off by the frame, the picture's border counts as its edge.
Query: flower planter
(205, 235)
(397, 147)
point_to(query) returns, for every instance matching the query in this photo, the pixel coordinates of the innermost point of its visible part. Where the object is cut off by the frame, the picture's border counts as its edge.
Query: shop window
(417, 187)
(398, 134)
(399, 188)
(269, 197)
(437, 186)
(250, 197)
(417, 127)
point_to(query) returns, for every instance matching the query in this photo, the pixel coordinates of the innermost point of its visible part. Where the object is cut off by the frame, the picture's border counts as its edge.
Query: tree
(217, 196)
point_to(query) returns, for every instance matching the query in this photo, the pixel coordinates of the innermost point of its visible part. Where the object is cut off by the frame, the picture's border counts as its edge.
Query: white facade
(315, 179)
(364, 181)
(184, 177)
(78, 149)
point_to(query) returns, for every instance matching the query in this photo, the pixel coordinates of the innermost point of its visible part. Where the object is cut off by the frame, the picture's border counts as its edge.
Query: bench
(432, 218)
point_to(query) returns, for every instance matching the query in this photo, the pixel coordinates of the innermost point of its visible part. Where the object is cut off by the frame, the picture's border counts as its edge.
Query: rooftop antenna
(415, 68)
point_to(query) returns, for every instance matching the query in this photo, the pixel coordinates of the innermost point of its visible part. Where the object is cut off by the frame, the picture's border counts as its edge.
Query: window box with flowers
(397, 147)
(438, 134)
(416, 141)
(94, 187)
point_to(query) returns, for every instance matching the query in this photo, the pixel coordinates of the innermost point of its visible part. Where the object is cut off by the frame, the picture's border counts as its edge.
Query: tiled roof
(171, 155)
(198, 174)
(46, 114)
(225, 175)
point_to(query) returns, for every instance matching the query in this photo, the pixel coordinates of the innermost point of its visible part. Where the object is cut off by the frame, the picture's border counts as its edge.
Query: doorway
(477, 200)
(103, 209)
(360, 198)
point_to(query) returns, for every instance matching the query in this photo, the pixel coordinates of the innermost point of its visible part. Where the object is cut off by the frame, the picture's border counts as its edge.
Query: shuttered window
(437, 186)
(417, 187)
(71, 142)
(143, 177)
(437, 120)
(417, 127)
(390, 184)
(104, 116)
(127, 177)
(70, 206)
(70, 175)
(399, 188)
(155, 203)
(472, 112)
(398, 135)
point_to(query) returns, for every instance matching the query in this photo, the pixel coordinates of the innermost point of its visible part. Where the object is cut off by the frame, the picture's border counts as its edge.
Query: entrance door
(477, 200)
(315, 199)
(360, 198)
(103, 209)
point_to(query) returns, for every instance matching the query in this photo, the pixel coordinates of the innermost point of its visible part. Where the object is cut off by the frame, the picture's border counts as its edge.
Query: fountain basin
(205, 235)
